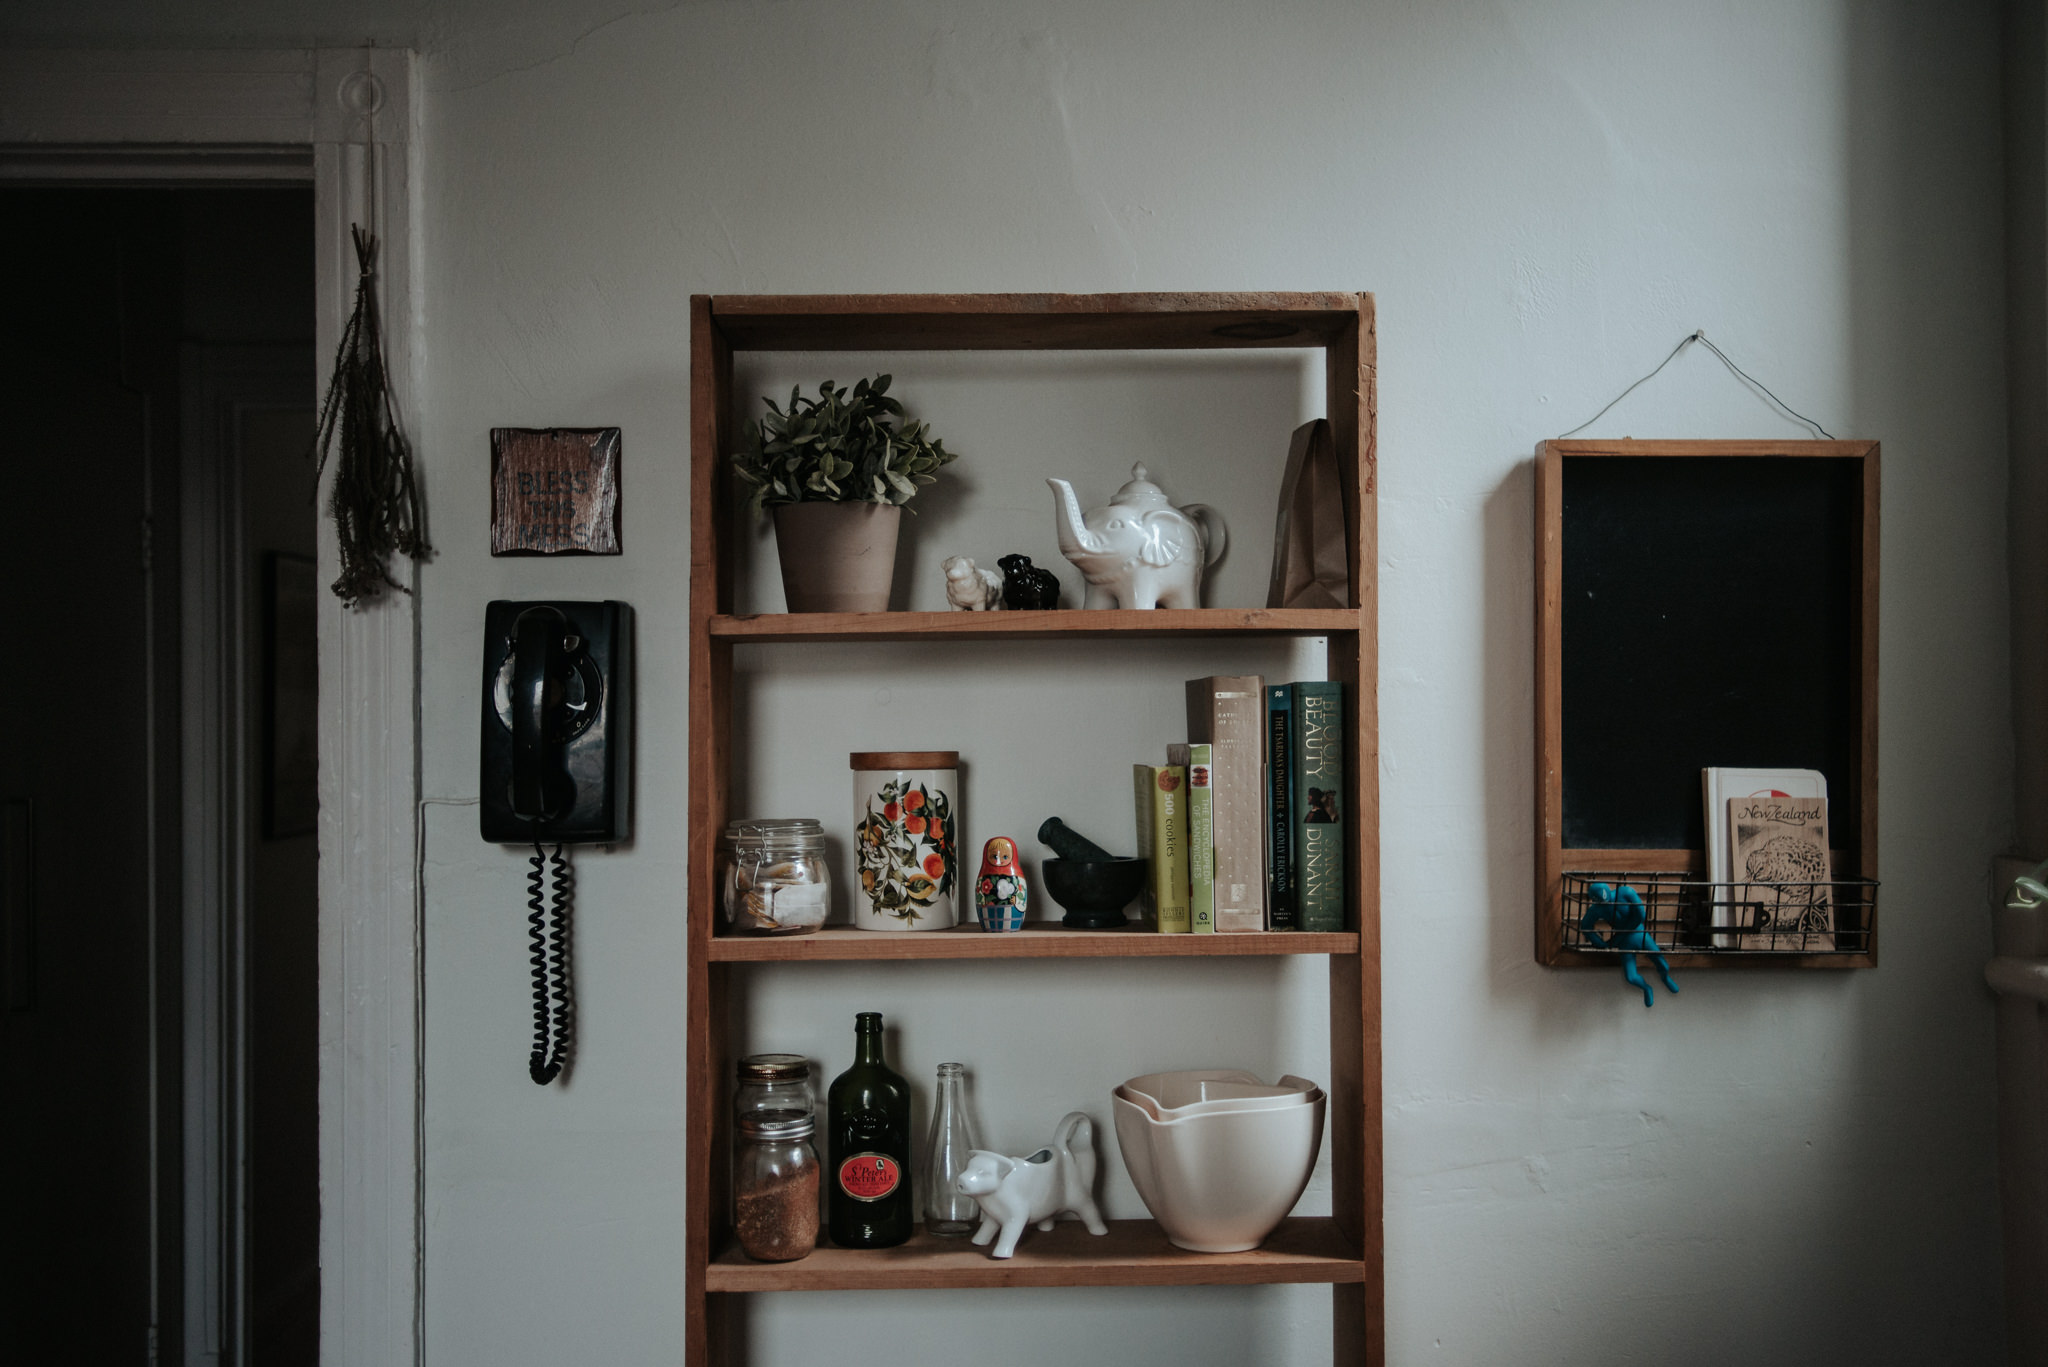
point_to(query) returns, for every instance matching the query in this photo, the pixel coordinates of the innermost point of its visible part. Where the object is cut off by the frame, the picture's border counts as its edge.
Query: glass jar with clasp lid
(776, 882)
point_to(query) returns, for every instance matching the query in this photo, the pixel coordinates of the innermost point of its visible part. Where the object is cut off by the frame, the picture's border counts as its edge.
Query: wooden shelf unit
(1854, 699)
(1343, 1249)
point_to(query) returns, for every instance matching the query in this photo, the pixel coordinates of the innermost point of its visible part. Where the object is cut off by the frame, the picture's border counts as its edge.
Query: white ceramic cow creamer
(1015, 1192)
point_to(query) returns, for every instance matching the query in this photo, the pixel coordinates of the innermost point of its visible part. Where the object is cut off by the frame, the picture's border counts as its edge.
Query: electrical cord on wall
(549, 1055)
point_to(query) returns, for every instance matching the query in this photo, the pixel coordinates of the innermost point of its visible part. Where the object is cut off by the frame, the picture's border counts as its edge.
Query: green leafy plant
(845, 446)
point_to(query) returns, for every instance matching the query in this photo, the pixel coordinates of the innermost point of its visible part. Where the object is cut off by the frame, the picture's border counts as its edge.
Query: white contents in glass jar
(782, 897)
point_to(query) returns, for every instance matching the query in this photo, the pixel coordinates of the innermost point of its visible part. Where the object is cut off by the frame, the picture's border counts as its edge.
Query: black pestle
(1068, 844)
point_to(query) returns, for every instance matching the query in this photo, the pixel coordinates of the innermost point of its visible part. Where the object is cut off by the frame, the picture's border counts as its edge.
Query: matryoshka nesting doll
(1000, 892)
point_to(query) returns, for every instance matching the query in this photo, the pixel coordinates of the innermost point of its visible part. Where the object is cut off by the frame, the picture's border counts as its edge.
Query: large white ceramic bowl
(1200, 1091)
(1151, 1107)
(1219, 1182)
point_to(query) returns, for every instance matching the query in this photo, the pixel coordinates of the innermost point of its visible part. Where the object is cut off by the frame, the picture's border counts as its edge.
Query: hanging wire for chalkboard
(1700, 335)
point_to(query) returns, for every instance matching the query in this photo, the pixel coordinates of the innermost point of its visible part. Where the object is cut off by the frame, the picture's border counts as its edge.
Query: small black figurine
(1026, 587)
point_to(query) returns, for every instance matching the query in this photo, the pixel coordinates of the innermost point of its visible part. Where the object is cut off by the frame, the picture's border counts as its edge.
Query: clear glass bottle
(946, 1212)
(776, 882)
(772, 1083)
(775, 1185)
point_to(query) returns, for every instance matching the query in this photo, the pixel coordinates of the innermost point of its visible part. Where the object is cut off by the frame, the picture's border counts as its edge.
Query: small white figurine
(1140, 551)
(971, 588)
(1015, 1192)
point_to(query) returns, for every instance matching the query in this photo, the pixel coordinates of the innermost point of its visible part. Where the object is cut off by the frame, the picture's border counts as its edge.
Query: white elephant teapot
(1140, 551)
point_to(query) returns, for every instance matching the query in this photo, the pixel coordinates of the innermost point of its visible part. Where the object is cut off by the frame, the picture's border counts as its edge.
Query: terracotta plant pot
(837, 557)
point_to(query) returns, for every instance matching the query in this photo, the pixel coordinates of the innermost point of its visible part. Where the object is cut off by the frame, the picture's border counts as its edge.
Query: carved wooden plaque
(555, 491)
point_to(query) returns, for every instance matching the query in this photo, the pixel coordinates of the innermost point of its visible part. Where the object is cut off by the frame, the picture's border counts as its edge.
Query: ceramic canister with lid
(906, 841)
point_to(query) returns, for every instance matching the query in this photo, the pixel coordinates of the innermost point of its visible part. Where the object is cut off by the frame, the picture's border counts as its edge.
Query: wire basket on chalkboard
(1685, 914)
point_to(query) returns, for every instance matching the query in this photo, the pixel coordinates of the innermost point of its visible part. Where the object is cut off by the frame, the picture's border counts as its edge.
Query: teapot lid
(1140, 492)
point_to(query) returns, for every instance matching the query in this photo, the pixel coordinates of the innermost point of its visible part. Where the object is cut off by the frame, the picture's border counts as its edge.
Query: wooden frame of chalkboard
(1699, 603)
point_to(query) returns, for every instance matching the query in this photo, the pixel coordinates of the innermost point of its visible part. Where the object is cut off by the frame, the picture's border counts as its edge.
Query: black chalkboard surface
(1709, 610)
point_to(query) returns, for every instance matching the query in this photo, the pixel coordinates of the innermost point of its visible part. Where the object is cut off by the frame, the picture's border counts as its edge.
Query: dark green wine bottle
(868, 1115)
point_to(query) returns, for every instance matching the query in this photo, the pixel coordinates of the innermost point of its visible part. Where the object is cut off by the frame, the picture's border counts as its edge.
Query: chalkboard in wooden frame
(1699, 603)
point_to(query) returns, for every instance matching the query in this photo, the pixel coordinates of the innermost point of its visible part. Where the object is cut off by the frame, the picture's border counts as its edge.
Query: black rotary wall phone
(557, 685)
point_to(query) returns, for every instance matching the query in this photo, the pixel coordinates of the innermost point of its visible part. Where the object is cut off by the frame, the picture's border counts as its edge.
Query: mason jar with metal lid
(776, 882)
(775, 1185)
(772, 1084)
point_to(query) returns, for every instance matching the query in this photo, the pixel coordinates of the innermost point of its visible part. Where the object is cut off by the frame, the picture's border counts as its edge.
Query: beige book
(1778, 858)
(1228, 714)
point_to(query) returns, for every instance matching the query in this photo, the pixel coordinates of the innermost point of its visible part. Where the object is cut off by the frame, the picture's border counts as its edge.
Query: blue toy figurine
(1624, 912)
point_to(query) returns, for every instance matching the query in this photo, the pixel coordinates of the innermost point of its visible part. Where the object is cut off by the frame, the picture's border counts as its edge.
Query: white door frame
(345, 121)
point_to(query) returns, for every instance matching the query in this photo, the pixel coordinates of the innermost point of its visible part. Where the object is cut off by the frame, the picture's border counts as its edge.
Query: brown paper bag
(1310, 569)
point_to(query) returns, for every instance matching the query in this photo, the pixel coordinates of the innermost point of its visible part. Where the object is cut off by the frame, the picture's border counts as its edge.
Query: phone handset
(557, 676)
(541, 645)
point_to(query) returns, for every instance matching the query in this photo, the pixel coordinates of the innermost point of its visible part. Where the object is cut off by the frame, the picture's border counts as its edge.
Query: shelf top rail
(1034, 322)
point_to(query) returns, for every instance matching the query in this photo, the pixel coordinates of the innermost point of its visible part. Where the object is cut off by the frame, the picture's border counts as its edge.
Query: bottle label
(869, 1176)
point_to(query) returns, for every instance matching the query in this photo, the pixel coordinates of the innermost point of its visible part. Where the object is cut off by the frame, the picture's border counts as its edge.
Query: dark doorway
(157, 863)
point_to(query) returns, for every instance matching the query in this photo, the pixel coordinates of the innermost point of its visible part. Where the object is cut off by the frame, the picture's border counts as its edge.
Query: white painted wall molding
(370, 1248)
(345, 120)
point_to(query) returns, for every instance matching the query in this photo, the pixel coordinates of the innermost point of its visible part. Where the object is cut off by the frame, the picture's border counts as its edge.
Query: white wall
(1771, 1167)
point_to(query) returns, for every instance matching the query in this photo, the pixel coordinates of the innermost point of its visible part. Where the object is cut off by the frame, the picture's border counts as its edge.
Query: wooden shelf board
(1133, 1253)
(1031, 322)
(794, 627)
(1037, 940)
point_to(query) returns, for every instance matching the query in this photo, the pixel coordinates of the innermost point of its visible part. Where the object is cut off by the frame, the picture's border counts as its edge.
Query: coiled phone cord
(546, 1063)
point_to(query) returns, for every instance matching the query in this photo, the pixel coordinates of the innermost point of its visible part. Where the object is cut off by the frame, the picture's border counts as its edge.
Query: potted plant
(836, 471)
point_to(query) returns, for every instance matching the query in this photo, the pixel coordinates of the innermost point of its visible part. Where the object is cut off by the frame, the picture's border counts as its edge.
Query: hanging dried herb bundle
(375, 502)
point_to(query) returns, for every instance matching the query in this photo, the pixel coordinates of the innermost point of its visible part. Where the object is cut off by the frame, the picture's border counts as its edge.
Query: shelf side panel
(1865, 646)
(710, 705)
(1356, 1165)
(1549, 703)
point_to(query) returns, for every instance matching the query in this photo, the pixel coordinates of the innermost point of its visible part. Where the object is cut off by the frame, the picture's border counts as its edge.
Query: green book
(1317, 761)
(1201, 836)
(1164, 787)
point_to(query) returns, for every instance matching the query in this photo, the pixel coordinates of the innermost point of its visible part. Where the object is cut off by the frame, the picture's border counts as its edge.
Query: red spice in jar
(777, 1215)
